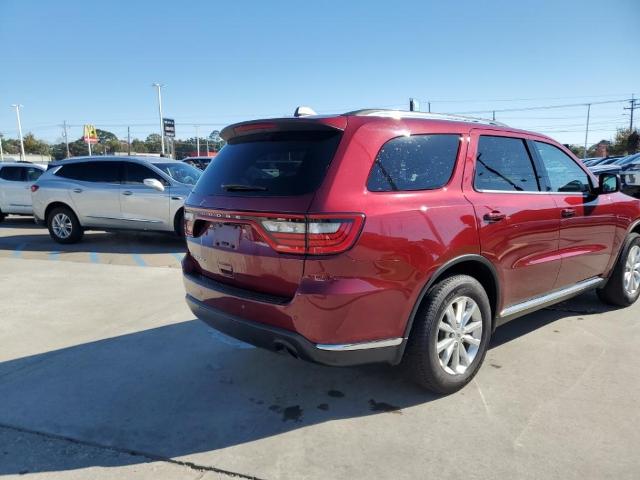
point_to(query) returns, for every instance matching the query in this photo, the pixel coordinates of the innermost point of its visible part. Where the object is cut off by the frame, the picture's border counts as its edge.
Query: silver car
(112, 193)
(16, 179)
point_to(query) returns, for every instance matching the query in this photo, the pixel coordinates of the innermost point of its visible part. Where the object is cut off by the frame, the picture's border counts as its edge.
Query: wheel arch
(475, 266)
(178, 216)
(56, 204)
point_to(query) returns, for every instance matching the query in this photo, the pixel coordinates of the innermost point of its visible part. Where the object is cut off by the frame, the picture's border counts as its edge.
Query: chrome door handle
(568, 213)
(495, 216)
(77, 190)
(127, 192)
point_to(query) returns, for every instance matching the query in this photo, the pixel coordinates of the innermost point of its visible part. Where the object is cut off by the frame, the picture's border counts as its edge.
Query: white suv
(112, 193)
(15, 183)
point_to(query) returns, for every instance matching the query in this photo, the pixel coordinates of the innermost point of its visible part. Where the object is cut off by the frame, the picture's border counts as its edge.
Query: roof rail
(422, 115)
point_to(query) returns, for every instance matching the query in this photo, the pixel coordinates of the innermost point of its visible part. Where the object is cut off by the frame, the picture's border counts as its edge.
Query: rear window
(417, 162)
(272, 164)
(12, 174)
(102, 172)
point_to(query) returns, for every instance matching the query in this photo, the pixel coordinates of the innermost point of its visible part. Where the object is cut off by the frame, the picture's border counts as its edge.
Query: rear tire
(64, 226)
(623, 287)
(450, 335)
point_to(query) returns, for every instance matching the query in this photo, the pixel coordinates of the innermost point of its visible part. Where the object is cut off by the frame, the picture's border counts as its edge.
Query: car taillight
(314, 234)
(34, 188)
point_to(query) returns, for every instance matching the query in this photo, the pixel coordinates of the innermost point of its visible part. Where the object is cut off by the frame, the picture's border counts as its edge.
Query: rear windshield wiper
(236, 187)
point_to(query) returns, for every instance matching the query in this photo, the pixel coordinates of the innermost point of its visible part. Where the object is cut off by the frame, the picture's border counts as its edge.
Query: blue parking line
(54, 255)
(17, 252)
(93, 257)
(178, 256)
(138, 259)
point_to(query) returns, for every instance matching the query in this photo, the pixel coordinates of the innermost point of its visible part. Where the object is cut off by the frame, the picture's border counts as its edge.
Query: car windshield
(180, 172)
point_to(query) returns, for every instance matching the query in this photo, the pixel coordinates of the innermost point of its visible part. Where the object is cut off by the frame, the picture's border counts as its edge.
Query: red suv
(386, 236)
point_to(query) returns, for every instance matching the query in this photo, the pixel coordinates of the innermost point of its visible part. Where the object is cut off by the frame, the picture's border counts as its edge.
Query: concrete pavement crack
(127, 451)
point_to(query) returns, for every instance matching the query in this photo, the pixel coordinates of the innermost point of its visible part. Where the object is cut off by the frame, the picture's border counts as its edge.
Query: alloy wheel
(632, 271)
(61, 225)
(459, 335)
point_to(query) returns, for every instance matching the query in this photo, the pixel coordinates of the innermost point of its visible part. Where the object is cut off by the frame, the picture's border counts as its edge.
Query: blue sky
(221, 62)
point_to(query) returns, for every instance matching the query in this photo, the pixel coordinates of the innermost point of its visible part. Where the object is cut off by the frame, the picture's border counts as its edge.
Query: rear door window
(417, 162)
(504, 164)
(99, 172)
(271, 164)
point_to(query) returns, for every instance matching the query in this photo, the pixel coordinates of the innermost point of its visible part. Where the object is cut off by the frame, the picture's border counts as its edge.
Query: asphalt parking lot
(105, 373)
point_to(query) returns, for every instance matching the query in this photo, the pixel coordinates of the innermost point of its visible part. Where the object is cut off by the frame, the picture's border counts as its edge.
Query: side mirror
(154, 183)
(609, 183)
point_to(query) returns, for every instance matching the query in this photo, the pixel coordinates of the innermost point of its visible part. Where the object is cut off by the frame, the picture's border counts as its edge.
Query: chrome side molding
(549, 299)
(343, 347)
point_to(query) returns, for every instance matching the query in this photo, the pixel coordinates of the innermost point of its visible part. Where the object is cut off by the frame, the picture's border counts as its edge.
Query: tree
(153, 143)
(35, 146)
(138, 146)
(625, 142)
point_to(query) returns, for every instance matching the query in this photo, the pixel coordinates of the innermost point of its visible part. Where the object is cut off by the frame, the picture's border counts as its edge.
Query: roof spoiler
(283, 125)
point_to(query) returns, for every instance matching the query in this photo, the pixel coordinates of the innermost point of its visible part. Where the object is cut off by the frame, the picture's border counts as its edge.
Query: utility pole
(1, 151)
(18, 107)
(197, 141)
(493, 117)
(207, 140)
(429, 107)
(586, 132)
(66, 137)
(129, 141)
(633, 104)
(159, 87)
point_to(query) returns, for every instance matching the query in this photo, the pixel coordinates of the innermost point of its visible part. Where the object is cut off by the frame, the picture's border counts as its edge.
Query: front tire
(450, 335)
(623, 287)
(64, 226)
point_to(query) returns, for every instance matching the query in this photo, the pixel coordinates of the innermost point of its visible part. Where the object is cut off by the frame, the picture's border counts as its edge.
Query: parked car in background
(15, 182)
(399, 237)
(198, 162)
(592, 161)
(111, 193)
(608, 164)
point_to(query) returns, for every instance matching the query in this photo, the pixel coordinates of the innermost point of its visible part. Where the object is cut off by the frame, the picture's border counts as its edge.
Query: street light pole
(159, 87)
(66, 137)
(586, 132)
(18, 107)
(197, 141)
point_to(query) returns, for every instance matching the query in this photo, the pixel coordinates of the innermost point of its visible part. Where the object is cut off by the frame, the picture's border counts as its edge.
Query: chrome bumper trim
(342, 347)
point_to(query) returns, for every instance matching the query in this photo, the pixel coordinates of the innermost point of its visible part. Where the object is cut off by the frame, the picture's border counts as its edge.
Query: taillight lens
(314, 235)
(34, 188)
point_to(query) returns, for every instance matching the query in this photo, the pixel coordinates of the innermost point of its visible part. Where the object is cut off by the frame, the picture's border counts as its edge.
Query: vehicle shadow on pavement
(184, 389)
(38, 240)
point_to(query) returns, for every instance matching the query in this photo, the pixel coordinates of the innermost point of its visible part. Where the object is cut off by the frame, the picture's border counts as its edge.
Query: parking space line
(54, 255)
(138, 259)
(17, 252)
(178, 256)
(93, 257)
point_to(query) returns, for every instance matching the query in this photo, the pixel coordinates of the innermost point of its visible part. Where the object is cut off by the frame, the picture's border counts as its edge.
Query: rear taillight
(314, 234)
(34, 188)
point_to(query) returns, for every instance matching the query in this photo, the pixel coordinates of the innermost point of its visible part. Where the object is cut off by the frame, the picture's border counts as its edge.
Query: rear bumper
(285, 341)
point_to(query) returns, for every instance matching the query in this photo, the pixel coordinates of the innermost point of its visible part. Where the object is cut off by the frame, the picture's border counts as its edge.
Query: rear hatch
(246, 220)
